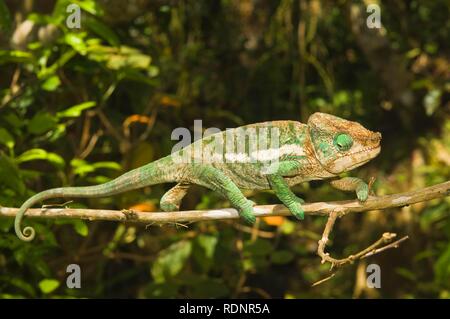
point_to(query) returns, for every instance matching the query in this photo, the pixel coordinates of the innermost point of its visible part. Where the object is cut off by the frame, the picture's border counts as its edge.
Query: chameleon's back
(244, 153)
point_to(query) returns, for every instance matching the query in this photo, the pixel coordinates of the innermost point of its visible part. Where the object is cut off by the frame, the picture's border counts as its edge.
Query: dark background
(79, 107)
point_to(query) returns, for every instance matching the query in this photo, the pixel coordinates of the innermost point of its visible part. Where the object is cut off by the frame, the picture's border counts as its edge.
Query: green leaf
(204, 250)
(51, 83)
(13, 120)
(138, 76)
(15, 56)
(40, 154)
(260, 247)
(57, 132)
(287, 227)
(5, 17)
(6, 138)
(41, 266)
(39, 18)
(98, 179)
(442, 267)
(208, 243)
(282, 257)
(59, 63)
(48, 285)
(90, 6)
(109, 165)
(102, 30)
(81, 167)
(76, 41)
(81, 228)
(152, 71)
(19, 283)
(119, 58)
(432, 101)
(76, 110)
(170, 261)
(10, 175)
(41, 122)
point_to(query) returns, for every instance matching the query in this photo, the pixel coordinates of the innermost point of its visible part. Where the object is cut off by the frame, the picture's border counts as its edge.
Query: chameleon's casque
(293, 153)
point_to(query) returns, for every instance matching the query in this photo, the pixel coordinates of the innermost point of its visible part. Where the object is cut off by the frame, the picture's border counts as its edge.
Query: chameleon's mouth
(346, 162)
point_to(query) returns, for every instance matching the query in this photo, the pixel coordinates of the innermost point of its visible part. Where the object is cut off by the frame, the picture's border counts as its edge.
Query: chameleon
(287, 153)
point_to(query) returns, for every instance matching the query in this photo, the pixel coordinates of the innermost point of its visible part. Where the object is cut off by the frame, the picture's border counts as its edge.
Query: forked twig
(386, 239)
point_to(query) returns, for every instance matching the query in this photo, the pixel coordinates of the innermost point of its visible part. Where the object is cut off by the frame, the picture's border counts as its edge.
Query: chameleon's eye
(343, 142)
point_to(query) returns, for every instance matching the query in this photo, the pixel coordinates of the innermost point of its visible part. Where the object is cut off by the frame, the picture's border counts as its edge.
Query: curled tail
(157, 172)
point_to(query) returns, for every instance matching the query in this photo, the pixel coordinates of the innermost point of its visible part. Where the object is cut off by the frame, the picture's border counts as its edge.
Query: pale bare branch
(318, 208)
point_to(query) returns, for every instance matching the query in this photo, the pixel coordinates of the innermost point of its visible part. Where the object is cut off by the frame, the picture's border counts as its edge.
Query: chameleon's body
(226, 162)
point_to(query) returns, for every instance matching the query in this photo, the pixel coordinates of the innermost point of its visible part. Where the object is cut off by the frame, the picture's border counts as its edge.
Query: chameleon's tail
(153, 173)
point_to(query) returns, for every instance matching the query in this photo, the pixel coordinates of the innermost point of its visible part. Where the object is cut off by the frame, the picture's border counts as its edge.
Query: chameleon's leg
(171, 200)
(350, 184)
(214, 179)
(282, 190)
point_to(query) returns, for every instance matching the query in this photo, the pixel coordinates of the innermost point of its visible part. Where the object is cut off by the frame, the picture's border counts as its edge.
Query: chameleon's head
(341, 145)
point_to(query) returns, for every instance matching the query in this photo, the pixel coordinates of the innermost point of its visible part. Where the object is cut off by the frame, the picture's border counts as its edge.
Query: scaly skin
(272, 155)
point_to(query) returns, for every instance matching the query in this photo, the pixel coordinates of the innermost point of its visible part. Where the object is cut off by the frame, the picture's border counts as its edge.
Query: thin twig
(250, 230)
(90, 146)
(372, 250)
(395, 244)
(323, 280)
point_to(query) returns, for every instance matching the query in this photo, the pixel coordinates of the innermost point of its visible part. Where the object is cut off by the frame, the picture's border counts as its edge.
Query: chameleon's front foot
(296, 208)
(362, 191)
(287, 197)
(350, 184)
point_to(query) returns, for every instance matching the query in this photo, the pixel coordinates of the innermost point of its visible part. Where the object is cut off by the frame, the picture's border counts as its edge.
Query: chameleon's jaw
(353, 160)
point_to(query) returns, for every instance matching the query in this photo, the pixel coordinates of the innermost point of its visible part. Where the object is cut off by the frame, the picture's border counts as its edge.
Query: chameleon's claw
(299, 200)
(129, 214)
(252, 203)
(249, 218)
(246, 213)
(169, 207)
(297, 211)
(362, 192)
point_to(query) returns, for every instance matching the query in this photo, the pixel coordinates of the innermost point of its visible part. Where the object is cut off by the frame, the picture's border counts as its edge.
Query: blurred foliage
(81, 106)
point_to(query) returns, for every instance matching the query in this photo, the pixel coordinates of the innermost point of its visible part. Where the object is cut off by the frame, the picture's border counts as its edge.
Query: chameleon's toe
(252, 203)
(169, 207)
(297, 211)
(249, 218)
(299, 200)
(362, 192)
(246, 213)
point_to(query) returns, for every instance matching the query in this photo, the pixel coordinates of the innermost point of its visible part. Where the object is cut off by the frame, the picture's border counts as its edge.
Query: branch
(319, 208)
(386, 240)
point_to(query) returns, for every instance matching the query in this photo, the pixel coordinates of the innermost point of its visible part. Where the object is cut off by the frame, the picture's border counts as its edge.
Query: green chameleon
(270, 155)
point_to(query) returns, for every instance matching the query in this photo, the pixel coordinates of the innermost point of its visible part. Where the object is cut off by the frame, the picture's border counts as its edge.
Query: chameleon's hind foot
(246, 212)
(129, 214)
(169, 207)
(171, 200)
